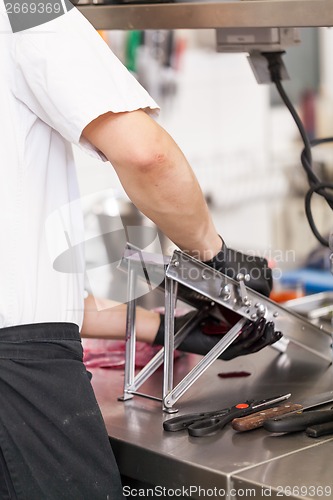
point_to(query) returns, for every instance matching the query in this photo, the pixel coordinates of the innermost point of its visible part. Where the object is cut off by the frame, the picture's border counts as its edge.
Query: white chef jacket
(54, 80)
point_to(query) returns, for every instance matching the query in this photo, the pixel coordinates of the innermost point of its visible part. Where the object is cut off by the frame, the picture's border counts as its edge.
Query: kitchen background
(240, 140)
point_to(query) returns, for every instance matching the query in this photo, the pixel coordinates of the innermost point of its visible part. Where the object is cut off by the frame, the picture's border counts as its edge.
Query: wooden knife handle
(256, 420)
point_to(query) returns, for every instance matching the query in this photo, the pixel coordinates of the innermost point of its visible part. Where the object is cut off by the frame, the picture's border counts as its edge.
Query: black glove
(254, 336)
(232, 262)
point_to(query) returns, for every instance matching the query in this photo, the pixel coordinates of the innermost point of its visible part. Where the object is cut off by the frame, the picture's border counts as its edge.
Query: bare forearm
(106, 319)
(157, 178)
(172, 198)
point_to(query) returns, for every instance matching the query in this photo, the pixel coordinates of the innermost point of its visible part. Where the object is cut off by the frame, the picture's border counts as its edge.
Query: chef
(61, 85)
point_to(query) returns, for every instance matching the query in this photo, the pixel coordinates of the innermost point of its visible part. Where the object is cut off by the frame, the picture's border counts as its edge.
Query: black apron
(53, 441)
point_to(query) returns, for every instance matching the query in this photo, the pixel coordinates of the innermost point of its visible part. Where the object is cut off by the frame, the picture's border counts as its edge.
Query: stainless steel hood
(207, 14)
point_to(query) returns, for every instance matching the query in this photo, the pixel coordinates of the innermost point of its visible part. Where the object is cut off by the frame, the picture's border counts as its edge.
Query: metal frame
(165, 355)
(189, 273)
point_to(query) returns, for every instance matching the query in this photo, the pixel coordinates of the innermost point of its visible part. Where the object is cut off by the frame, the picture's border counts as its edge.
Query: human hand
(231, 262)
(254, 336)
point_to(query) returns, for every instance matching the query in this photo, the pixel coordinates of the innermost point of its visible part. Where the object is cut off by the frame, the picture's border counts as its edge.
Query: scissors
(203, 424)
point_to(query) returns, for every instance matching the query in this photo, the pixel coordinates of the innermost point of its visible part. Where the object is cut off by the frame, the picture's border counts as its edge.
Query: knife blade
(258, 419)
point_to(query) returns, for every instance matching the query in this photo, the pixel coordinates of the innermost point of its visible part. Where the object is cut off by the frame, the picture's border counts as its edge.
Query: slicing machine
(189, 280)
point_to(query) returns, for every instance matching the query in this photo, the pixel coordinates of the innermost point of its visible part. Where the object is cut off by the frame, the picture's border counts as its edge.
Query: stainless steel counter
(208, 14)
(254, 464)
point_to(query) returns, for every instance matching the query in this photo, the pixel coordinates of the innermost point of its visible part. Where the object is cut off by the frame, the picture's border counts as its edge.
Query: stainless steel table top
(256, 463)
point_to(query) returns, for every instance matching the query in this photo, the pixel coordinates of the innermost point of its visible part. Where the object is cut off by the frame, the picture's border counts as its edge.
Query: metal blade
(311, 402)
(271, 401)
(317, 400)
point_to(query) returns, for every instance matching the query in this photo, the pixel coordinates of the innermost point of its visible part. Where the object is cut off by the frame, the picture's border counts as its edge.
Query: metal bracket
(255, 39)
(202, 287)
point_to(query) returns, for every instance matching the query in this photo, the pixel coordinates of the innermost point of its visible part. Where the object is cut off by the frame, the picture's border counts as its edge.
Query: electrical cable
(317, 188)
(275, 65)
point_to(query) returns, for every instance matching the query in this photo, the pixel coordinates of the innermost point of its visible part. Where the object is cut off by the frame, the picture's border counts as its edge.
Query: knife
(298, 422)
(258, 419)
(320, 429)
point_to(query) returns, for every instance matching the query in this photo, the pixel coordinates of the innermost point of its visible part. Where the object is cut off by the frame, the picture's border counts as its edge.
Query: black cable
(316, 185)
(313, 143)
(306, 155)
(315, 189)
(307, 146)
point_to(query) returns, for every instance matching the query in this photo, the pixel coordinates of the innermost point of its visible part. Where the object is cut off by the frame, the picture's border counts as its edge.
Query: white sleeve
(67, 75)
